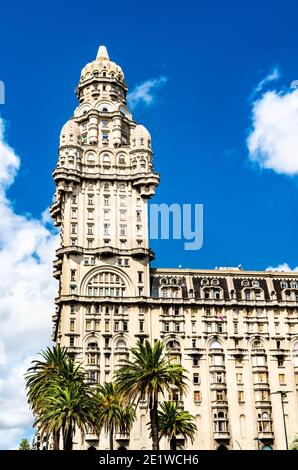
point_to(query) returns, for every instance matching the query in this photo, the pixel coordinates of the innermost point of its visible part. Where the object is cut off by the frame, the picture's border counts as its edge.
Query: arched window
(106, 158)
(294, 285)
(106, 285)
(295, 346)
(106, 186)
(164, 293)
(215, 345)
(121, 159)
(284, 285)
(257, 345)
(122, 187)
(92, 344)
(121, 344)
(173, 345)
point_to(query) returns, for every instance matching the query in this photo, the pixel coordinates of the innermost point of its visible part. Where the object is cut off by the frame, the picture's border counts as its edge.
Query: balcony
(219, 403)
(261, 386)
(90, 436)
(120, 437)
(74, 349)
(263, 403)
(216, 368)
(266, 435)
(221, 435)
(218, 386)
(121, 350)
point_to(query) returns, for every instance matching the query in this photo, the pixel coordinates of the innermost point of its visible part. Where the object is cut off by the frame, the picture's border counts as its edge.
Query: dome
(100, 66)
(70, 133)
(140, 137)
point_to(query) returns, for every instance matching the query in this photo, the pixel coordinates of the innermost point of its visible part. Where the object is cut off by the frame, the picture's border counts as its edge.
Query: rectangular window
(141, 291)
(194, 343)
(71, 341)
(140, 276)
(106, 229)
(90, 242)
(107, 326)
(72, 309)
(74, 199)
(166, 327)
(280, 362)
(122, 201)
(197, 396)
(122, 230)
(195, 360)
(90, 214)
(139, 216)
(73, 228)
(88, 325)
(106, 200)
(125, 326)
(122, 214)
(72, 325)
(239, 378)
(196, 379)
(193, 327)
(238, 360)
(141, 323)
(240, 395)
(72, 274)
(74, 213)
(282, 379)
(139, 230)
(97, 325)
(116, 326)
(90, 229)
(177, 327)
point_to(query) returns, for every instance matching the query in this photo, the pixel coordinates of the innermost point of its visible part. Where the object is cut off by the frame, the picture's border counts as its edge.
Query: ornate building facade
(236, 332)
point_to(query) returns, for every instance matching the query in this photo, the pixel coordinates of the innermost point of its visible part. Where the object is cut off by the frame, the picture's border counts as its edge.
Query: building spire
(102, 53)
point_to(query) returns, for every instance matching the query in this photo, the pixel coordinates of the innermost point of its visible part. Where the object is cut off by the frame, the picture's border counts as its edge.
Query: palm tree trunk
(112, 437)
(56, 438)
(154, 423)
(68, 439)
(173, 443)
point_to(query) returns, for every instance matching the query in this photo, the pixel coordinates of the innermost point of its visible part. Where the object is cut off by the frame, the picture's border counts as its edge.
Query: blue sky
(213, 54)
(224, 125)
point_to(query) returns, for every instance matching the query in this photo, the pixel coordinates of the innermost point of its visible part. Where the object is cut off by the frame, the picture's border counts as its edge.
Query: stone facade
(235, 331)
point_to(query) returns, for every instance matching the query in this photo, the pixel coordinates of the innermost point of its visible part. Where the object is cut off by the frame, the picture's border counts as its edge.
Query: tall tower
(104, 178)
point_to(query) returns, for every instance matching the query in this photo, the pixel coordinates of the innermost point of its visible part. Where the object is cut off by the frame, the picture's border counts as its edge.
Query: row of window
(107, 214)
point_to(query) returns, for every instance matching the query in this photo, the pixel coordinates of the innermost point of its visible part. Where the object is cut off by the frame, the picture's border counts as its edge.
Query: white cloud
(273, 140)
(284, 267)
(144, 92)
(27, 293)
(271, 77)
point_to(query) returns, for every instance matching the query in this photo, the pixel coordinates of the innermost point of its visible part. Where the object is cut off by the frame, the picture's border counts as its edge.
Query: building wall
(236, 332)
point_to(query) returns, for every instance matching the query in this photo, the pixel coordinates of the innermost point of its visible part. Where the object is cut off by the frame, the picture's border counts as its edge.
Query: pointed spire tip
(102, 53)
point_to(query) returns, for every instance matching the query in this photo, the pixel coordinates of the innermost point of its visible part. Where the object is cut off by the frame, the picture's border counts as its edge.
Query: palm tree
(59, 396)
(294, 445)
(67, 407)
(114, 415)
(173, 421)
(147, 375)
(40, 374)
